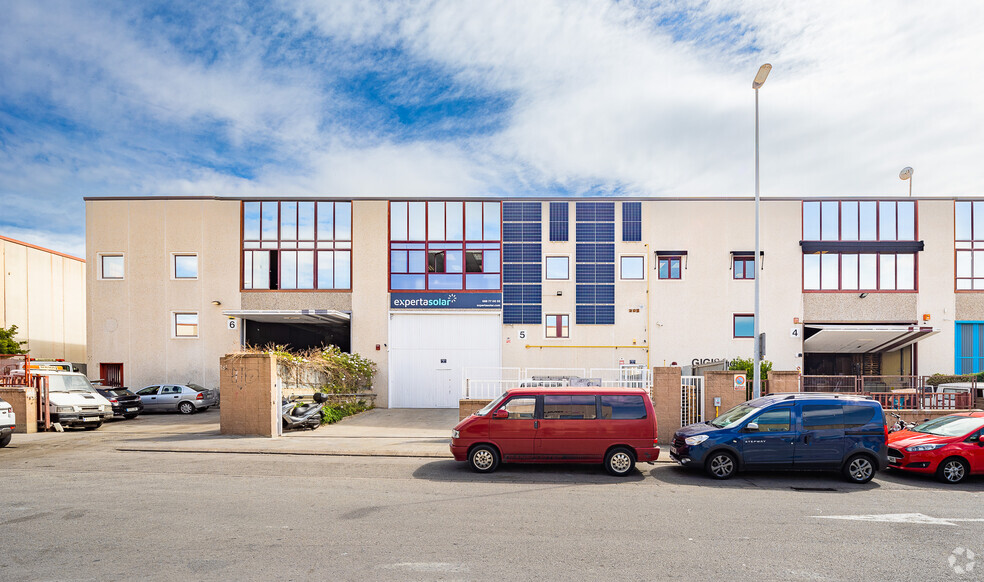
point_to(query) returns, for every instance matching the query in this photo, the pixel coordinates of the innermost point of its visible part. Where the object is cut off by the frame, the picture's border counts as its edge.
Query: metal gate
(691, 399)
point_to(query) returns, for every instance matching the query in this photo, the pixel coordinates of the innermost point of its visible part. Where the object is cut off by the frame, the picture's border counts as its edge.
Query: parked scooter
(900, 424)
(296, 415)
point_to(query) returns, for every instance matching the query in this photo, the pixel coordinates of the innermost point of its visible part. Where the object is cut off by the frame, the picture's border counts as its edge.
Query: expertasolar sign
(445, 300)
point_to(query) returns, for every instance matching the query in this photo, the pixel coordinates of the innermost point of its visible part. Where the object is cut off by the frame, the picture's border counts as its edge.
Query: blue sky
(464, 98)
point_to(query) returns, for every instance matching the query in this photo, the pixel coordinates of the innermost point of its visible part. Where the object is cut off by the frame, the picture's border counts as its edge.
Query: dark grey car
(176, 397)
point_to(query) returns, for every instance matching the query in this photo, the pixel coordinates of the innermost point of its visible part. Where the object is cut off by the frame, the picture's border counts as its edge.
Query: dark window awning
(864, 338)
(292, 316)
(872, 247)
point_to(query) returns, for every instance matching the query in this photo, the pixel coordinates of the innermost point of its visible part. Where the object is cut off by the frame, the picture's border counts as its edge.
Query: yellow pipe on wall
(649, 315)
(612, 347)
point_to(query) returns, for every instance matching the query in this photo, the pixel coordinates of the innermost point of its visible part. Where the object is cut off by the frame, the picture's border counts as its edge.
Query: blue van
(811, 431)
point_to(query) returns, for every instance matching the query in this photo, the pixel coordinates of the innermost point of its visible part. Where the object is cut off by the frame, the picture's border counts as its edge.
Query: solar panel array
(522, 260)
(594, 263)
(632, 221)
(558, 222)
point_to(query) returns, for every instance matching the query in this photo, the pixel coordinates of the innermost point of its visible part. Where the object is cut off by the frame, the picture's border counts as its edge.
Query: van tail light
(656, 442)
(886, 431)
(200, 396)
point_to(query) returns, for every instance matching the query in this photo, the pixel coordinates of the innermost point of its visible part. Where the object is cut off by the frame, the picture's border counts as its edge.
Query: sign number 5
(522, 334)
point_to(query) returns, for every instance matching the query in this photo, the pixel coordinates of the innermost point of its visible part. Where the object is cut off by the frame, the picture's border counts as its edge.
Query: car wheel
(92, 426)
(859, 469)
(5, 440)
(619, 461)
(952, 470)
(186, 408)
(484, 459)
(721, 465)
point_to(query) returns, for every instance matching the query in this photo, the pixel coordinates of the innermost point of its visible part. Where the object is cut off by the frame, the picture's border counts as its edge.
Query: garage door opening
(298, 330)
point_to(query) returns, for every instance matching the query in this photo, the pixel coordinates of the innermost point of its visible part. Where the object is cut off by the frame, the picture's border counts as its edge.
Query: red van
(616, 426)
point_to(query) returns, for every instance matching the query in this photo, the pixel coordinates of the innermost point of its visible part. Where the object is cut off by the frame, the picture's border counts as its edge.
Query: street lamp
(906, 174)
(763, 74)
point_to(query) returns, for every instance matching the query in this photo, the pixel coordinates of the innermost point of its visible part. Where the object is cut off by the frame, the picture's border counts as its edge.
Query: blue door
(821, 444)
(772, 444)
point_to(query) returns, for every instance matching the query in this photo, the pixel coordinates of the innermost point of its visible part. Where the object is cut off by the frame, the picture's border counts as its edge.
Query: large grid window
(595, 263)
(297, 245)
(558, 222)
(522, 250)
(631, 221)
(866, 220)
(859, 272)
(447, 246)
(968, 239)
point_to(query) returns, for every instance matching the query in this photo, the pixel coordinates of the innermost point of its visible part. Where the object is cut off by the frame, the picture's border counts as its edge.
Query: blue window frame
(969, 347)
(631, 221)
(522, 263)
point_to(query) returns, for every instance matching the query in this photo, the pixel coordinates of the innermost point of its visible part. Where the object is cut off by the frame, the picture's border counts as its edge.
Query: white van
(72, 400)
(7, 422)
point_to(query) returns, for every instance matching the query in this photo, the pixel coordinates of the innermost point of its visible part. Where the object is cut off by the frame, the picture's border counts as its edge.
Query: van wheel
(859, 469)
(952, 470)
(483, 459)
(186, 407)
(721, 465)
(619, 461)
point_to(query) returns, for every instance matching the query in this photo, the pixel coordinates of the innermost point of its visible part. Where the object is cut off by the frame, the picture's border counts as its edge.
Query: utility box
(24, 401)
(248, 395)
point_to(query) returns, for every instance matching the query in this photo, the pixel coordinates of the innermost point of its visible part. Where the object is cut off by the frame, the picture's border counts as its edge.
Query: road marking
(902, 518)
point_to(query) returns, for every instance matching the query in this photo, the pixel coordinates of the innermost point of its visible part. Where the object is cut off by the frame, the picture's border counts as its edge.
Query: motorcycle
(298, 416)
(900, 424)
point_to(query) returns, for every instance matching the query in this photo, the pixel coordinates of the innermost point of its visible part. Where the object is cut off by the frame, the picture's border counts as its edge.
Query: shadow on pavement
(448, 471)
(807, 481)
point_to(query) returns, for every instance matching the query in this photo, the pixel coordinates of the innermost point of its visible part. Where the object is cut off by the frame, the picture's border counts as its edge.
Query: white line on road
(901, 518)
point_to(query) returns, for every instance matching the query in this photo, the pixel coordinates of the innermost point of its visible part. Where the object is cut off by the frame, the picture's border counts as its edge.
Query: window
(743, 267)
(558, 268)
(859, 272)
(773, 421)
(445, 246)
(969, 347)
(855, 415)
(558, 222)
(558, 326)
(185, 266)
(574, 407)
(631, 221)
(297, 245)
(627, 407)
(669, 267)
(186, 325)
(866, 220)
(969, 242)
(633, 267)
(522, 263)
(823, 416)
(111, 266)
(148, 391)
(744, 326)
(520, 407)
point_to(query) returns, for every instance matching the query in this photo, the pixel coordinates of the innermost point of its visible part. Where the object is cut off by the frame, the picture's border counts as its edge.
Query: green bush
(748, 365)
(937, 379)
(332, 414)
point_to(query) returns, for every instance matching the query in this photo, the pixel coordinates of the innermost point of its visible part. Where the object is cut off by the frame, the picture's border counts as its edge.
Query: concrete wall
(666, 401)
(248, 395)
(44, 295)
(24, 401)
(370, 282)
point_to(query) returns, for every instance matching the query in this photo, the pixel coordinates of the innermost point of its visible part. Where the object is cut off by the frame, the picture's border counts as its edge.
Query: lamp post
(763, 74)
(906, 174)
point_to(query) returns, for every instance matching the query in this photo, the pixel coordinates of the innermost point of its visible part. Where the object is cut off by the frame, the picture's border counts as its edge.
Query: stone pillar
(248, 395)
(666, 401)
(780, 381)
(24, 401)
(721, 384)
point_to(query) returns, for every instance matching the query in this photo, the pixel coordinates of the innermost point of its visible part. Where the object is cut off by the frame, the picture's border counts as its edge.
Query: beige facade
(657, 321)
(43, 294)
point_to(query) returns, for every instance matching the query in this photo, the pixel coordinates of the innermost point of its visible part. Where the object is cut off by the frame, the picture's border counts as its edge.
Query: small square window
(110, 266)
(558, 268)
(743, 267)
(186, 325)
(669, 267)
(185, 266)
(744, 326)
(633, 268)
(558, 325)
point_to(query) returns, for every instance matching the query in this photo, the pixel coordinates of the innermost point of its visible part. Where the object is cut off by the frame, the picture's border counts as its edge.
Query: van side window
(773, 420)
(627, 407)
(855, 416)
(520, 407)
(823, 416)
(580, 407)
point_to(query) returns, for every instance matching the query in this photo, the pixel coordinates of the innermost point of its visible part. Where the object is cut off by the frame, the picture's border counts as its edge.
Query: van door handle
(536, 424)
(806, 439)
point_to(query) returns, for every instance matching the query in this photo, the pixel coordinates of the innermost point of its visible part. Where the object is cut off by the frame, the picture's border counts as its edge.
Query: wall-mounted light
(863, 295)
(216, 303)
(559, 293)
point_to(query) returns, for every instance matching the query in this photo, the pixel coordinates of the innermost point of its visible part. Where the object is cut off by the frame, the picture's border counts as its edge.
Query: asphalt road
(82, 510)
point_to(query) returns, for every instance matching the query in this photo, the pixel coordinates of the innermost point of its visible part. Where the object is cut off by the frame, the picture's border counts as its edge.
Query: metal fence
(487, 383)
(923, 400)
(691, 399)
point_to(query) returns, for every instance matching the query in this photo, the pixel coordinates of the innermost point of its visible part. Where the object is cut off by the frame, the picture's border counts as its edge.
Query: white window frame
(99, 265)
(174, 325)
(556, 256)
(174, 266)
(622, 277)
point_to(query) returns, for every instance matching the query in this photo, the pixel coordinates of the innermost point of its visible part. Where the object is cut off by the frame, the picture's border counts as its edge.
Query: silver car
(185, 398)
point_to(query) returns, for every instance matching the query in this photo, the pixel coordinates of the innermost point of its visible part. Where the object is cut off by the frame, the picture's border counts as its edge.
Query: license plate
(894, 459)
(673, 450)
(131, 409)
(90, 419)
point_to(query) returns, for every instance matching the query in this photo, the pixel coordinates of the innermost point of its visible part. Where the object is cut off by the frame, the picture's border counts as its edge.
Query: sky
(453, 98)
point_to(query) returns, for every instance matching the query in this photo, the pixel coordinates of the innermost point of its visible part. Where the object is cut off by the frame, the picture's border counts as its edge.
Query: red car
(951, 447)
(616, 426)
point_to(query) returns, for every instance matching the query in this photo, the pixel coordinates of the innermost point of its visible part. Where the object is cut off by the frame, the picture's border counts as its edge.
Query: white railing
(553, 372)
(484, 383)
(691, 399)
(491, 389)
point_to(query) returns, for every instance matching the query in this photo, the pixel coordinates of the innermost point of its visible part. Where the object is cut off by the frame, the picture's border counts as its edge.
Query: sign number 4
(794, 332)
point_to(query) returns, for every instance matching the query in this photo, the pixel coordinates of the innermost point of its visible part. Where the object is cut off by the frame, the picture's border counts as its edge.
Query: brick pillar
(721, 384)
(780, 381)
(24, 401)
(666, 401)
(248, 395)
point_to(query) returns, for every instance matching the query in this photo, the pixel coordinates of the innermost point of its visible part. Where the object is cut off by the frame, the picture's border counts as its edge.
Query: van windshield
(488, 407)
(69, 383)
(734, 416)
